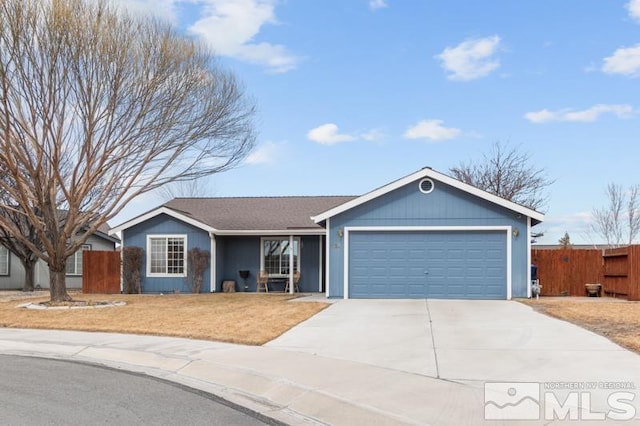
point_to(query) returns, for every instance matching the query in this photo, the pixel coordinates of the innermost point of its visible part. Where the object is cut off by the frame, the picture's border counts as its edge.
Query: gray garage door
(443, 265)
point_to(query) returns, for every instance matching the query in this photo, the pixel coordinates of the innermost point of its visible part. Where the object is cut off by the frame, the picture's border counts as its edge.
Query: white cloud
(328, 134)
(586, 115)
(471, 59)
(634, 9)
(230, 26)
(265, 153)
(625, 61)
(377, 4)
(431, 129)
(373, 135)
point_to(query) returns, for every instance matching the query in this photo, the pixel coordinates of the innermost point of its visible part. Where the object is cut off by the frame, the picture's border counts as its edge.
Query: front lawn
(251, 319)
(616, 319)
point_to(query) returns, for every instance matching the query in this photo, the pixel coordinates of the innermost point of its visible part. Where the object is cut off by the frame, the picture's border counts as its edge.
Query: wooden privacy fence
(564, 272)
(622, 272)
(101, 272)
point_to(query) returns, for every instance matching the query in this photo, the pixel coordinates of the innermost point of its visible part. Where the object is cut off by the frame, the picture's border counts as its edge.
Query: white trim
(348, 229)
(291, 289)
(212, 267)
(148, 254)
(122, 267)
(74, 256)
(529, 257)
(320, 268)
(159, 211)
(345, 266)
(270, 232)
(327, 257)
(420, 174)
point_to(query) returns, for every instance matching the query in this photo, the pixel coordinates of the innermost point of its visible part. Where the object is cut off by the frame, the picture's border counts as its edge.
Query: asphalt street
(36, 391)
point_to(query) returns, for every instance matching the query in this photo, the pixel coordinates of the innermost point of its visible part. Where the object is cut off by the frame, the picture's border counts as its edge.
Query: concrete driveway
(464, 341)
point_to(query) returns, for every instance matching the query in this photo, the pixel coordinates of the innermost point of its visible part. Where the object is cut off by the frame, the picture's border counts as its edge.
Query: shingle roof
(257, 213)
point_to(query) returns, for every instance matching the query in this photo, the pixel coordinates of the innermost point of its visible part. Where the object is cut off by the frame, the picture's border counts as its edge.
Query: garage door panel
(469, 265)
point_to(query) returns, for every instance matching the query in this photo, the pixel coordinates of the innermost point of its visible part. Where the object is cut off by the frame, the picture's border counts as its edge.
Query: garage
(428, 235)
(428, 264)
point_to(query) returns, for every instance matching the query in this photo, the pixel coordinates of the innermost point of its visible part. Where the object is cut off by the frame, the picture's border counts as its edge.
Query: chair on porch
(296, 279)
(263, 281)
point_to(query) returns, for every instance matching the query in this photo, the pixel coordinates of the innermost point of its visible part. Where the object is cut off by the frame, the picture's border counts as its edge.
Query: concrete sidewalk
(293, 387)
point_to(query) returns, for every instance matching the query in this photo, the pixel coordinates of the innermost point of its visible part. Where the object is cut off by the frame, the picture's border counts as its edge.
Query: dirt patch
(252, 319)
(617, 320)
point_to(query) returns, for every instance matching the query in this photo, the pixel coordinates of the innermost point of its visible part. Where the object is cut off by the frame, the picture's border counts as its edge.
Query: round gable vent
(426, 186)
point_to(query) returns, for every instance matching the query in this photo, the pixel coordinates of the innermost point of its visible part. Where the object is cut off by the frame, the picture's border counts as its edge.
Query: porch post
(212, 266)
(320, 265)
(291, 289)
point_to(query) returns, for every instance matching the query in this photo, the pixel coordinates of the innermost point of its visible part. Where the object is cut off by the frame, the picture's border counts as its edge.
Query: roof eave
(269, 232)
(155, 212)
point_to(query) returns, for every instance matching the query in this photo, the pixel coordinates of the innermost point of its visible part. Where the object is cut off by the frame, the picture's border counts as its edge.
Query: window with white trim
(4, 260)
(74, 263)
(275, 255)
(166, 255)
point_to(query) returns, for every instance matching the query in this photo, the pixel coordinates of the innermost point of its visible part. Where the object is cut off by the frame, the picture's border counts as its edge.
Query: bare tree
(186, 189)
(23, 252)
(619, 221)
(507, 173)
(98, 107)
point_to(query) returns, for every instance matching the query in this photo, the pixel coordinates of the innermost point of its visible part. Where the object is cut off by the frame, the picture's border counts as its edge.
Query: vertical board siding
(101, 272)
(445, 206)
(564, 272)
(162, 224)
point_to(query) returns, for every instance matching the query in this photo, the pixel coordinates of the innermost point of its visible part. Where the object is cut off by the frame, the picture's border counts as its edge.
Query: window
(74, 263)
(166, 255)
(276, 253)
(4, 260)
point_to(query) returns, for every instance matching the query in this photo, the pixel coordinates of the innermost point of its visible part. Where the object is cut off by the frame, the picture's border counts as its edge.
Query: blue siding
(243, 253)
(445, 206)
(239, 253)
(233, 253)
(136, 236)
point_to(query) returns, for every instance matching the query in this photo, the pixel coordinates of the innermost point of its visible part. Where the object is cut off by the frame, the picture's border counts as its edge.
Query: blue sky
(353, 94)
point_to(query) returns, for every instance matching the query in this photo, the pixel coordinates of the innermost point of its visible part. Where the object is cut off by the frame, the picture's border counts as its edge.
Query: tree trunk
(29, 273)
(58, 284)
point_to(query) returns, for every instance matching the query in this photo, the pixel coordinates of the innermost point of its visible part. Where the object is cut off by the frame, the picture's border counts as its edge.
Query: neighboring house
(12, 272)
(425, 235)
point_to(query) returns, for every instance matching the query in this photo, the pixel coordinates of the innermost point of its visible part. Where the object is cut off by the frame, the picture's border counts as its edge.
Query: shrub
(131, 269)
(197, 263)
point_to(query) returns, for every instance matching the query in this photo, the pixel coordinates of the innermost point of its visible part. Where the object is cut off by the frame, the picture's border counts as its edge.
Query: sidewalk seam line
(433, 339)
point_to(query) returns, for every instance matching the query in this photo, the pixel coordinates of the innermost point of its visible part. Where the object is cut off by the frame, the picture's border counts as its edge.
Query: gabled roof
(246, 215)
(429, 173)
(104, 233)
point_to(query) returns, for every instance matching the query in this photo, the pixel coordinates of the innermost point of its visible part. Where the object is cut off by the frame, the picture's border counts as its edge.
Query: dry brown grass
(251, 319)
(617, 320)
